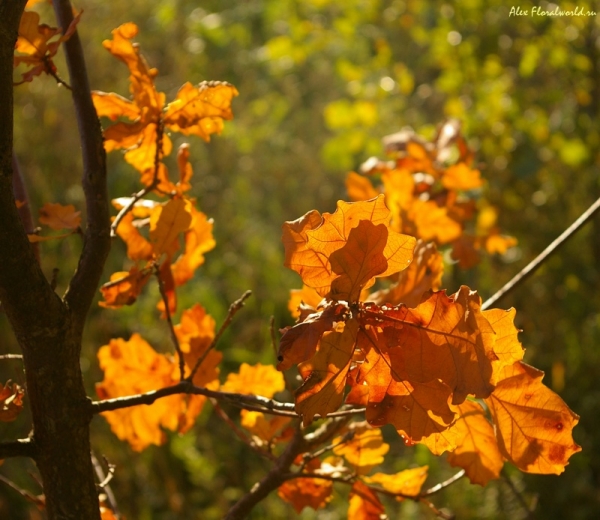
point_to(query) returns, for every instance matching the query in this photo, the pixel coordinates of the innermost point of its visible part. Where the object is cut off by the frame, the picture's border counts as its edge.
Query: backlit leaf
(533, 424)
(124, 287)
(58, 216)
(167, 222)
(306, 492)
(11, 401)
(364, 450)
(478, 451)
(364, 503)
(408, 482)
(263, 380)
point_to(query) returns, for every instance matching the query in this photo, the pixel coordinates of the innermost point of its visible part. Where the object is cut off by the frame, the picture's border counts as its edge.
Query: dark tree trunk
(48, 328)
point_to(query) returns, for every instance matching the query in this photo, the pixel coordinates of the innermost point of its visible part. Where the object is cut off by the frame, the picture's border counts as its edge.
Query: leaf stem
(174, 338)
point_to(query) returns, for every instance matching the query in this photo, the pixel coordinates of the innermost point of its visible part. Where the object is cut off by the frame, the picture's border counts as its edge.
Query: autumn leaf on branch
(34, 46)
(533, 424)
(431, 188)
(11, 401)
(195, 111)
(57, 217)
(133, 367)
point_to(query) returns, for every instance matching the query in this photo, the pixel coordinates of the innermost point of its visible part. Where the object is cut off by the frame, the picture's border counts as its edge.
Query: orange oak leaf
(460, 177)
(124, 287)
(359, 187)
(533, 424)
(195, 333)
(423, 274)
(132, 367)
(57, 216)
(359, 261)
(310, 241)
(362, 447)
(200, 110)
(299, 343)
(364, 503)
(444, 337)
(168, 289)
(301, 299)
(11, 401)
(196, 110)
(419, 411)
(34, 47)
(138, 247)
(263, 427)
(184, 167)
(324, 375)
(167, 222)
(263, 380)
(507, 346)
(198, 239)
(407, 483)
(478, 451)
(306, 492)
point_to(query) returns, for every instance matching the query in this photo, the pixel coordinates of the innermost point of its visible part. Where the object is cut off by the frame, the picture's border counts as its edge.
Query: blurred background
(321, 82)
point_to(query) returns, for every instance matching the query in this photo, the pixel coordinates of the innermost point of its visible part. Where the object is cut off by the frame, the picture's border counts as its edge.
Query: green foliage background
(321, 81)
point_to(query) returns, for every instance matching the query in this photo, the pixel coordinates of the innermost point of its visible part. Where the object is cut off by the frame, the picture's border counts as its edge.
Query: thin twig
(52, 72)
(147, 189)
(517, 493)
(438, 487)
(174, 338)
(37, 500)
(104, 482)
(11, 356)
(239, 432)
(233, 309)
(532, 266)
(18, 448)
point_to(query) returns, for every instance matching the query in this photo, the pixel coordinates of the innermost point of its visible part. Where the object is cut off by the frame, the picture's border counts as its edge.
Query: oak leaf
(533, 424)
(306, 492)
(196, 110)
(124, 287)
(167, 222)
(35, 47)
(478, 451)
(133, 367)
(460, 177)
(444, 337)
(324, 375)
(423, 274)
(263, 380)
(263, 427)
(57, 216)
(407, 483)
(303, 300)
(364, 503)
(310, 241)
(11, 401)
(363, 450)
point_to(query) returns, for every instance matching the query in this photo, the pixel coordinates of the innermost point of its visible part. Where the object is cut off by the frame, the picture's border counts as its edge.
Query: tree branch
(271, 481)
(18, 448)
(233, 309)
(84, 284)
(532, 266)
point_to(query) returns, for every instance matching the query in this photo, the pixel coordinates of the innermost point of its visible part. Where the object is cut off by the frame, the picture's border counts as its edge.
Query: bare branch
(532, 266)
(18, 448)
(84, 283)
(438, 487)
(233, 309)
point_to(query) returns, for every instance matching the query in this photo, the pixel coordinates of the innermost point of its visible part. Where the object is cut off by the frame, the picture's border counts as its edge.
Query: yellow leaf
(364, 450)
(263, 380)
(167, 222)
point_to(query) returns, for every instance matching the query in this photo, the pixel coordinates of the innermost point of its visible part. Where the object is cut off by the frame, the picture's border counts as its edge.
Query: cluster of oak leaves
(441, 370)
